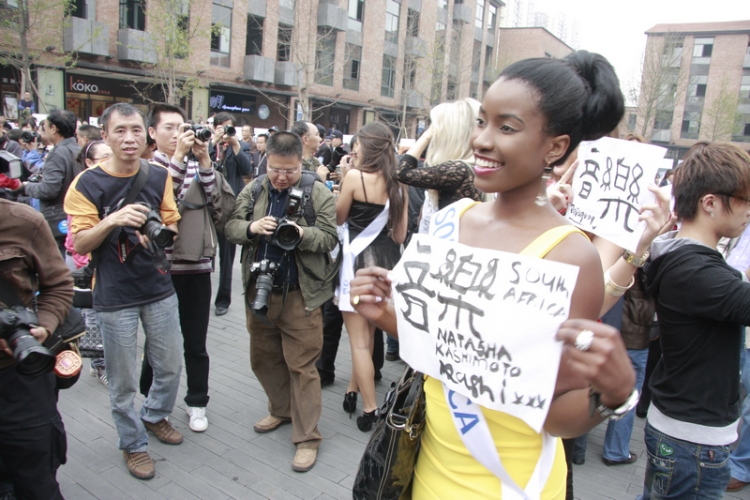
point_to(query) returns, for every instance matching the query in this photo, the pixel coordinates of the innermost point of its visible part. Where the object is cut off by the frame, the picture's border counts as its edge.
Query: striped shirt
(183, 174)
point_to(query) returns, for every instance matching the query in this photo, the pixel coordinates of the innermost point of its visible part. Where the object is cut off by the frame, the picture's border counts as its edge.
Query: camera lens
(287, 236)
(160, 236)
(263, 287)
(27, 136)
(230, 131)
(32, 358)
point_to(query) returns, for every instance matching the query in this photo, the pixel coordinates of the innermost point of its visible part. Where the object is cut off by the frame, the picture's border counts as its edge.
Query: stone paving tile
(231, 461)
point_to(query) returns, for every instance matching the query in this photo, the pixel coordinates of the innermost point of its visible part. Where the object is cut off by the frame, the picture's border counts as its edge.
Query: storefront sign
(234, 103)
(91, 85)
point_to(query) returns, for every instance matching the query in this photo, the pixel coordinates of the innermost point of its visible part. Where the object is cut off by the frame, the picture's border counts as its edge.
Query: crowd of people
(152, 205)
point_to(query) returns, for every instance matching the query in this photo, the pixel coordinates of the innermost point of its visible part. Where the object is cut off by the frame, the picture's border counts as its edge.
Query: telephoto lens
(230, 131)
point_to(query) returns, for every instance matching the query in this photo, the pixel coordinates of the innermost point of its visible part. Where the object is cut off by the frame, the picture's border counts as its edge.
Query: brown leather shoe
(139, 464)
(164, 431)
(270, 423)
(736, 485)
(304, 459)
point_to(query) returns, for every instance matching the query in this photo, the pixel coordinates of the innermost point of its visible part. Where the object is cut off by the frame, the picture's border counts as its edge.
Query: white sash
(351, 250)
(468, 417)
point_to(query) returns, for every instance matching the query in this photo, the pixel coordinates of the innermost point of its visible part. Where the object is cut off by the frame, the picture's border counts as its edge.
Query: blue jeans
(617, 437)
(391, 343)
(682, 470)
(739, 461)
(119, 332)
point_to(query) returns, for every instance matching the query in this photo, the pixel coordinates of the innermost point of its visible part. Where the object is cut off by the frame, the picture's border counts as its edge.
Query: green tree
(30, 34)
(720, 113)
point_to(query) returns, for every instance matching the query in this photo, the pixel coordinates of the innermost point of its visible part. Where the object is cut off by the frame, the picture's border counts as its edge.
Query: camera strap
(135, 188)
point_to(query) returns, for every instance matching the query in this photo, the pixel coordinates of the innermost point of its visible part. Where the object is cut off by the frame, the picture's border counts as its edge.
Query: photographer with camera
(234, 159)
(32, 436)
(287, 227)
(110, 205)
(34, 146)
(185, 155)
(60, 168)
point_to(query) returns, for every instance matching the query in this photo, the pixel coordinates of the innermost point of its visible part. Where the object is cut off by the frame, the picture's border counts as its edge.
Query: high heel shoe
(366, 421)
(350, 403)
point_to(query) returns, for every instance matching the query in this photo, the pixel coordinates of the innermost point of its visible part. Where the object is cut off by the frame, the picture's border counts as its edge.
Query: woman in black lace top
(448, 174)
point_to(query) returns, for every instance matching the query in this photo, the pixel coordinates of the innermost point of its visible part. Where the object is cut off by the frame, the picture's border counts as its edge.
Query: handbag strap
(135, 188)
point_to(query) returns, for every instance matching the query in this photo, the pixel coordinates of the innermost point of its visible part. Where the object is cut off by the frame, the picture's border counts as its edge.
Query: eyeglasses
(279, 171)
(742, 198)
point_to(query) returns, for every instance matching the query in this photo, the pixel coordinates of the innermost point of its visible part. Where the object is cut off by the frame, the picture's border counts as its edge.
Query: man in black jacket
(60, 166)
(234, 159)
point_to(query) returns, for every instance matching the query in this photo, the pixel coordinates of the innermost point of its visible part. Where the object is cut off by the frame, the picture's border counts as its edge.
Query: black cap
(337, 134)
(273, 129)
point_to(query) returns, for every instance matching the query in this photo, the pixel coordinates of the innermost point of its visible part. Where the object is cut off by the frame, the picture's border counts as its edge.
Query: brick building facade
(696, 84)
(342, 62)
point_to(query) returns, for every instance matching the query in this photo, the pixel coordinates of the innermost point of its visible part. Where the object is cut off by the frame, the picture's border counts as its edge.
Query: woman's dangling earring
(541, 198)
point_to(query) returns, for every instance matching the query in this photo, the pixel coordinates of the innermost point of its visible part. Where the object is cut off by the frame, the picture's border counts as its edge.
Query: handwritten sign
(483, 322)
(610, 185)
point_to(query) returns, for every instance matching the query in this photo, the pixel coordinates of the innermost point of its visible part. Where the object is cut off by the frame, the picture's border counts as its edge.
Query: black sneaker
(392, 356)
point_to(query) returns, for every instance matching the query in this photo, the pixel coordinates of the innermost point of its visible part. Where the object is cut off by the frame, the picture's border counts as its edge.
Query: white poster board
(483, 322)
(609, 187)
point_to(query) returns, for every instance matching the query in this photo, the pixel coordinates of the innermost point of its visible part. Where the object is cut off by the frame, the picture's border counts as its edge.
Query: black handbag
(387, 466)
(57, 220)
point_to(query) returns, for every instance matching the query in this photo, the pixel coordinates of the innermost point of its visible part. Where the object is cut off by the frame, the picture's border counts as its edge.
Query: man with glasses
(286, 338)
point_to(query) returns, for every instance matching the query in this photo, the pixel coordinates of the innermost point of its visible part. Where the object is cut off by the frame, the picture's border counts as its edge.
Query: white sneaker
(198, 420)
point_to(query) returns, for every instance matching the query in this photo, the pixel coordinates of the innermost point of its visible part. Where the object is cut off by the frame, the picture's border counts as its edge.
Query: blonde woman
(448, 174)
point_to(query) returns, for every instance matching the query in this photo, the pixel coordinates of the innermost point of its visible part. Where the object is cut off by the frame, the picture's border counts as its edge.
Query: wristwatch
(635, 260)
(610, 413)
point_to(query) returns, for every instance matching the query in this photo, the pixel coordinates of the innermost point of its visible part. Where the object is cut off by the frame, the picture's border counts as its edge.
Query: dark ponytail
(580, 95)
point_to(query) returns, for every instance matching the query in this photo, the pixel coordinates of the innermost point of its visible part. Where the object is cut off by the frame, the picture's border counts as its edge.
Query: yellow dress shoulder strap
(548, 240)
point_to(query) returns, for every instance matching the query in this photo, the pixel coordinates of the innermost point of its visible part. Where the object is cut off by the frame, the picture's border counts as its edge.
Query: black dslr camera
(32, 358)
(264, 273)
(153, 230)
(201, 132)
(286, 235)
(29, 137)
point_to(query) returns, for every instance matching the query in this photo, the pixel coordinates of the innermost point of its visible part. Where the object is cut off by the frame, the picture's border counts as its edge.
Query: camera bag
(82, 278)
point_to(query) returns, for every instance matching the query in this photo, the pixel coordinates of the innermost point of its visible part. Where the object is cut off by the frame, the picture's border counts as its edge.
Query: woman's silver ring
(584, 340)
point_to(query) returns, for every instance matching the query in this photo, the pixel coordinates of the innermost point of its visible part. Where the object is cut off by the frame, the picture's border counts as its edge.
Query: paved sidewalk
(231, 461)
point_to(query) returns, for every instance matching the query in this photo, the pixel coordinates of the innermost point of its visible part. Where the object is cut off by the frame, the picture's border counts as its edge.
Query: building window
(410, 74)
(491, 17)
(284, 44)
(254, 41)
(325, 55)
(392, 9)
(488, 62)
(78, 9)
(132, 15)
(474, 90)
(181, 11)
(289, 4)
(479, 14)
(356, 14)
(443, 4)
(412, 23)
(691, 125)
(703, 47)
(452, 89)
(700, 90)
(632, 118)
(388, 84)
(352, 66)
(746, 131)
(663, 120)
(221, 35)
(476, 56)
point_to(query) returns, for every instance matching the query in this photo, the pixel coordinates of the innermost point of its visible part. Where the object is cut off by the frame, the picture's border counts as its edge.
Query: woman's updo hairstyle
(580, 95)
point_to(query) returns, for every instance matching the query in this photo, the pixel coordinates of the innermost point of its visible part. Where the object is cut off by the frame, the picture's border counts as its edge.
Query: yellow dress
(445, 468)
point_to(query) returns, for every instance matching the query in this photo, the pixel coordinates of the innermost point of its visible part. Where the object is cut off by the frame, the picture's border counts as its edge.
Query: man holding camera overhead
(234, 161)
(131, 281)
(286, 267)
